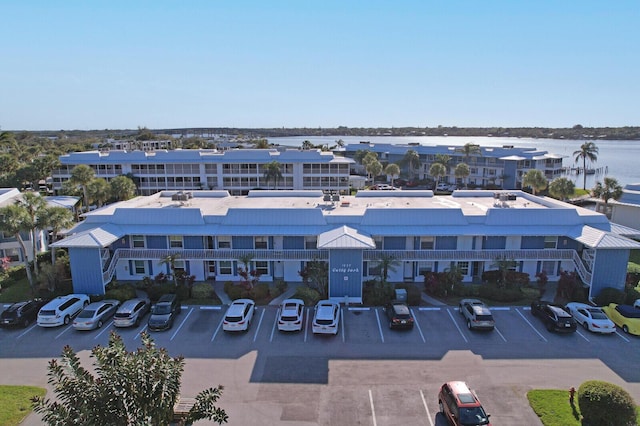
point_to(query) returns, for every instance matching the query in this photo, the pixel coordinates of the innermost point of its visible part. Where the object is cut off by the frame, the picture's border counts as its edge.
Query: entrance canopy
(345, 238)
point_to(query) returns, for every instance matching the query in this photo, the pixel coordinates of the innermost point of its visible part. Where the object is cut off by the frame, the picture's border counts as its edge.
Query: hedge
(605, 404)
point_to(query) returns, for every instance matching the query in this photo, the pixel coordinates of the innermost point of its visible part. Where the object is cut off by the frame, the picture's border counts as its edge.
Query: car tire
(549, 326)
(137, 323)
(26, 322)
(586, 326)
(625, 329)
(469, 324)
(85, 304)
(441, 407)
(99, 323)
(67, 320)
(460, 309)
(390, 325)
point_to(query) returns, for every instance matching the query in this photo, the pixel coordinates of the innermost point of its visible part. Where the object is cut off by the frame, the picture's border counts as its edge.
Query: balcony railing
(469, 255)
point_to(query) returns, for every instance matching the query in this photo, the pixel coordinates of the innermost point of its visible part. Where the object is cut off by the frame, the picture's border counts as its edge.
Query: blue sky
(162, 64)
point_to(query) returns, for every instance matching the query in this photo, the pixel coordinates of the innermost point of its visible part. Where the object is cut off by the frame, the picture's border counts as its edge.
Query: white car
(636, 304)
(239, 315)
(326, 317)
(291, 315)
(95, 314)
(591, 317)
(61, 310)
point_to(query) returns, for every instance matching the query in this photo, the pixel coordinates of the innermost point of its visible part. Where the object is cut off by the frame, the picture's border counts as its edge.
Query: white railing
(224, 254)
(469, 255)
(108, 273)
(581, 269)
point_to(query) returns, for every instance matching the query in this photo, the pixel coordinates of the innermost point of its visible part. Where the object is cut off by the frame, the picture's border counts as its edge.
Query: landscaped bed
(15, 403)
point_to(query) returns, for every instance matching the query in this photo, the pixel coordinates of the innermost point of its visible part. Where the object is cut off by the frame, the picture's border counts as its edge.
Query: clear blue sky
(160, 64)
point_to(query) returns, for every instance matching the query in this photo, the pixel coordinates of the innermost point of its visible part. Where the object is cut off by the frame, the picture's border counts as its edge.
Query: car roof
(559, 311)
(167, 298)
(292, 301)
(462, 392)
(131, 303)
(400, 307)
(628, 311)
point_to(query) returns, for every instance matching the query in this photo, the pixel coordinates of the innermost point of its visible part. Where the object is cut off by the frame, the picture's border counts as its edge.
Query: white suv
(326, 317)
(239, 315)
(61, 310)
(291, 314)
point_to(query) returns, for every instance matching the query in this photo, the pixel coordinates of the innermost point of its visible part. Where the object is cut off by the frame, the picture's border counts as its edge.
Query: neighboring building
(237, 171)
(501, 166)
(9, 246)
(282, 230)
(626, 210)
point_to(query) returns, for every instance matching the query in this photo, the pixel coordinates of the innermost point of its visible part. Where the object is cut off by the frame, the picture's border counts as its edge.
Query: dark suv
(399, 315)
(460, 406)
(21, 314)
(555, 318)
(164, 312)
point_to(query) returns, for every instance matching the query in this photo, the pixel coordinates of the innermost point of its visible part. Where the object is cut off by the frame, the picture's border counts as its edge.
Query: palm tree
(374, 168)
(272, 172)
(56, 219)
(535, 179)
(387, 263)
(122, 188)
(412, 160)
(81, 175)
(16, 220)
(170, 260)
(437, 170)
(562, 188)
(306, 144)
(587, 151)
(470, 149)
(611, 189)
(99, 191)
(34, 205)
(393, 171)
(503, 265)
(462, 171)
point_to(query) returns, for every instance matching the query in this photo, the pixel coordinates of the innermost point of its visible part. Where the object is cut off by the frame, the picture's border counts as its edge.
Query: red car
(460, 405)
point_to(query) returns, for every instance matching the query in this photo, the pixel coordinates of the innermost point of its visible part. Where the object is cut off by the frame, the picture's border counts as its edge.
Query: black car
(164, 312)
(399, 315)
(22, 313)
(554, 317)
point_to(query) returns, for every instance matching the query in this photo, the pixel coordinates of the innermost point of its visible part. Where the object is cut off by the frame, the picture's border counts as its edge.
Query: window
(262, 267)
(175, 241)
(424, 267)
(464, 268)
(137, 241)
(261, 242)
(427, 243)
(138, 267)
(179, 265)
(549, 267)
(224, 242)
(310, 243)
(13, 254)
(550, 242)
(225, 267)
(375, 269)
(378, 241)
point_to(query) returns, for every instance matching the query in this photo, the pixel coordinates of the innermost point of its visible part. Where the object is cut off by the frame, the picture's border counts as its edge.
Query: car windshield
(597, 314)
(162, 309)
(473, 416)
(87, 314)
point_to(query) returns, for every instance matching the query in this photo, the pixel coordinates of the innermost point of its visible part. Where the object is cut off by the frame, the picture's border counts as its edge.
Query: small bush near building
(605, 404)
(609, 295)
(155, 291)
(16, 273)
(377, 293)
(493, 292)
(279, 287)
(202, 291)
(121, 292)
(414, 294)
(631, 295)
(235, 292)
(260, 292)
(308, 295)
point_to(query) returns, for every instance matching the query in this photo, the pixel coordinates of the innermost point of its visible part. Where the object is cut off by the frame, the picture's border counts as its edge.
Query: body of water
(620, 158)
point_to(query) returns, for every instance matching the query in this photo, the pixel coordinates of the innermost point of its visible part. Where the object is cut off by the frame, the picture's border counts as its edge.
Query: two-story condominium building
(502, 166)
(237, 171)
(282, 230)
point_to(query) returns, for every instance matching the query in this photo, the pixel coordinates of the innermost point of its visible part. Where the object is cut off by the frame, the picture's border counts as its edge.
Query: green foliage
(202, 291)
(609, 295)
(16, 273)
(309, 295)
(466, 290)
(237, 292)
(129, 388)
(498, 294)
(121, 292)
(155, 291)
(260, 292)
(631, 295)
(553, 408)
(605, 404)
(279, 287)
(15, 403)
(377, 293)
(414, 294)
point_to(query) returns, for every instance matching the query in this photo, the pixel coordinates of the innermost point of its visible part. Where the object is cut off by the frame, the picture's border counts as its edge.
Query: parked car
(636, 304)
(477, 314)
(383, 187)
(445, 187)
(131, 312)
(62, 310)
(239, 315)
(625, 316)
(95, 314)
(291, 315)
(591, 318)
(461, 406)
(21, 314)
(164, 313)
(399, 315)
(399, 182)
(554, 317)
(326, 317)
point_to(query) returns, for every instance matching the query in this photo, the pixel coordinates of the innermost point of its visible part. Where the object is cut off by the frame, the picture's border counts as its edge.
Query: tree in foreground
(561, 188)
(535, 180)
(131, 388)
(606, 404)
(609, 190)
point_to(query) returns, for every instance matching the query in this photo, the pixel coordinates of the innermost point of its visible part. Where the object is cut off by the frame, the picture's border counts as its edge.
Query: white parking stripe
(379, 326)
(500, 308)
(275, 321)
(581, 335)
(424, 402)
(415, 321)
(458, 327)
(428, 309)
(306, 325)
(181, 324)
(103, 330)
(141, 331)
(210, 308)
(64, 331)
(217, 329)
(531, 325)
(622, 337)
(35, 325)
(255, 336)
(342, 325)
(498, 331)
(373, 410)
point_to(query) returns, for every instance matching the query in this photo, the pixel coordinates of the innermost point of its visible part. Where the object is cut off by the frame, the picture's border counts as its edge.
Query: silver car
(131, 312)
(94, 315)
(477, 314)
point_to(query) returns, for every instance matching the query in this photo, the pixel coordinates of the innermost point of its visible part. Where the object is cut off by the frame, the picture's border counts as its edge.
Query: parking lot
(367, 373)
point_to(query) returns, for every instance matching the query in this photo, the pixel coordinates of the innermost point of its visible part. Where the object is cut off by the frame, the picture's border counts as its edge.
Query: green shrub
(308, 295)
(494, 293)
(631, 296)
(235, 292)
(182, 291)
(228, 285)
(121, 293)
(202, 291)
(465, 290)
(605, 404)
(609, 295)
(260, 291)
(281, 285)
(414, 294)
(377, 293)
(155, 291)
(17, 273)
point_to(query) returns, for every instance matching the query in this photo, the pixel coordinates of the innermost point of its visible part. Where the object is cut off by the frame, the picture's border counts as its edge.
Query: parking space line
(275, 321)
(500, 334)
(458, 327)
(306, 325)
(621, 336)
(424, 402)
(428, 309)
(26, 331)
(581, 335)
(500, 308)
(415, 320)
(255, 336)
(379, 326)
(141, 331)
(373, 410)
(217, 329)
(342, 324)
(210, 308)
(531, 325)
(103, 330)
(181, 324)
(64, 331)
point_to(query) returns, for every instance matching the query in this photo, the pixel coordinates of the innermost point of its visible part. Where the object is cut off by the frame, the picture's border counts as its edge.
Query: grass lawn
(554, 409)
(15, 292)
(15, 403)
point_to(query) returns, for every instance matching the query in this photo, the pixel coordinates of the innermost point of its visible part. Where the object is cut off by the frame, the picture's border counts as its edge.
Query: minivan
(61, 310)
(164, 313)
(460, 405)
